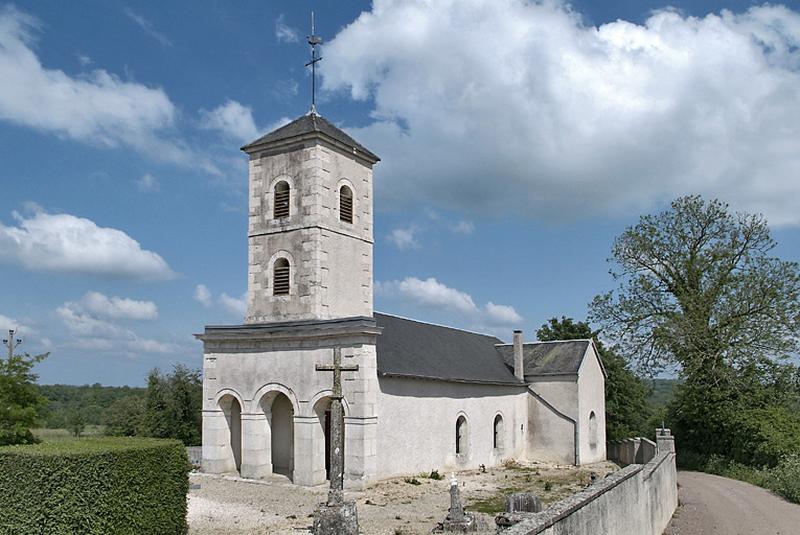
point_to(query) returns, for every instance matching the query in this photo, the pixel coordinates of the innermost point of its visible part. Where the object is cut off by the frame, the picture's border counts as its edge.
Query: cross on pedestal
(336, 493)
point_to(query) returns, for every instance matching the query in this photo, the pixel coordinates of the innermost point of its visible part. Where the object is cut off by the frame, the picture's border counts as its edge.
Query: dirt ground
(412, 505)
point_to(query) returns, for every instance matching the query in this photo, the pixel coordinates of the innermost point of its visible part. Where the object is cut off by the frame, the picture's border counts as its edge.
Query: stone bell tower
(310, 224)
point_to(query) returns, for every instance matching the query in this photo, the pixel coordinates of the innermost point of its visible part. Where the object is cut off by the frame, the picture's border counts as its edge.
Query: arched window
(281, 199)
(461, 436)
(346, 204)
(497, 440)
(592, 430)
(280, 277)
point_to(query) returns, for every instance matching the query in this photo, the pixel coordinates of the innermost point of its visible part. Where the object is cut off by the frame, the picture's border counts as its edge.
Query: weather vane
(313, 40)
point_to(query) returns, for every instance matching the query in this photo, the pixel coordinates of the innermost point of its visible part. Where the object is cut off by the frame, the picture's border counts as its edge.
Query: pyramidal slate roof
(409, 348)
(548, 358)
(312, 123)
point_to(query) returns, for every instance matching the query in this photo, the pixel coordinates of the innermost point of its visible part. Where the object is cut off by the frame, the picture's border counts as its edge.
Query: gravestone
(457, 521)
(336, 516)
(523, 502)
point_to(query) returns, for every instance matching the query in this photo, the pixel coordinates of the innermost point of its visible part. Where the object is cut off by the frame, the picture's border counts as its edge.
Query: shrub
(786, 478)
(94, 486)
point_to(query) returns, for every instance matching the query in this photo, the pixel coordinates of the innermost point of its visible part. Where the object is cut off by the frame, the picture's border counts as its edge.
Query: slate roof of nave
(409, 348)
(548, 358)
(307, 124)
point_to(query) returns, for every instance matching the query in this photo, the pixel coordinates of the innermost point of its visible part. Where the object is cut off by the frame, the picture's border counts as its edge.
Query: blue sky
(517, 140)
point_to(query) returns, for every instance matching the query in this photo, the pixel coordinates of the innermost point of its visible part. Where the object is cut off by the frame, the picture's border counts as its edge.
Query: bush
(94, 486)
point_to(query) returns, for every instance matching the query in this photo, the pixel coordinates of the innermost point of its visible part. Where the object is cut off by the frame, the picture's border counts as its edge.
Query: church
(424, 397)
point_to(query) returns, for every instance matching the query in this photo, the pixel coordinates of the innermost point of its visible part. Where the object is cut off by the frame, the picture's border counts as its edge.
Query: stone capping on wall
(534, 523)
(631, 451)
(648, 491)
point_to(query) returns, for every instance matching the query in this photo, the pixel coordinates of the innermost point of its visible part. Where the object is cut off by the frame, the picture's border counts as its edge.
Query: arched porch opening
(322, 410)
(233, 418)
(280, 419)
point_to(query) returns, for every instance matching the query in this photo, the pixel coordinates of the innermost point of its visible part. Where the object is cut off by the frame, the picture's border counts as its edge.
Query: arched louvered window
(346, 204)
(592, 430)
(281, 199)
(280, 277)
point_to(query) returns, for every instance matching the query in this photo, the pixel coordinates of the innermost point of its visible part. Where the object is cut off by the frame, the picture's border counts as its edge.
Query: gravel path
(228, 506)
(714, 505)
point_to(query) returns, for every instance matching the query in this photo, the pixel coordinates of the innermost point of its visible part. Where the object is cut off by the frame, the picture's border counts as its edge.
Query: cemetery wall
(639, 498)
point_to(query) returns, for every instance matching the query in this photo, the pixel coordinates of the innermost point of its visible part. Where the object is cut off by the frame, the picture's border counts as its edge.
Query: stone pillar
(256, 446)
(217, 454)
(361, 449)
(309, 451)
(665, 441)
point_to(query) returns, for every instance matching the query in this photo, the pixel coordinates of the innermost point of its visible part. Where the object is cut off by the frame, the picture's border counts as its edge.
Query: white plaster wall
(591, 398)
(417, 425)
(331, 260)
(250, 377)
(551, 435)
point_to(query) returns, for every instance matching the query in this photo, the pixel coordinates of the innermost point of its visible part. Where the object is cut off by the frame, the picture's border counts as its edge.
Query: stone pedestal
(340, 519)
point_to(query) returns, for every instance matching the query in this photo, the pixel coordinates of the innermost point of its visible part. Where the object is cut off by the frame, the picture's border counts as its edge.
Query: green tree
(185, 404)
(627, 409)
(699, 289)
(76, 423)
(173, 405)
(20, 402)
(155, 419)
(124, 416)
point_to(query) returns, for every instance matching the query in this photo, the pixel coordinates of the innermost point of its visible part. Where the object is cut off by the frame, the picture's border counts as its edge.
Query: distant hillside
(663, 391)
(89, 400)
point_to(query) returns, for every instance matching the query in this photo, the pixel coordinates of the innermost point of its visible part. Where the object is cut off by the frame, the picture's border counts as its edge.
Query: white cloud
(463, 227)
(284, 33)
(404, 238)
(148, 183)
(117, 307)
(233, 305)
(431, 293)
(8, 323)
(96, 107)
(502, 314)
(202, 295)
(83, 59)
(531, 111)
(69, 244)
(148, 27)
(92, 333)
(232, 119)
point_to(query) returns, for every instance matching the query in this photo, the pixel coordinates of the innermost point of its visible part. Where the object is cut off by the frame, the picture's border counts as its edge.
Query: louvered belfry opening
(280, 275)
(281, 200)
(346, 204)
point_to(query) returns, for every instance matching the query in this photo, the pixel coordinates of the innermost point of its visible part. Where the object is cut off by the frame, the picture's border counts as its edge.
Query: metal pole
(11, 334)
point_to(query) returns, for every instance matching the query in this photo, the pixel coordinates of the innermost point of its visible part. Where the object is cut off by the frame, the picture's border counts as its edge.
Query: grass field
(55, 435)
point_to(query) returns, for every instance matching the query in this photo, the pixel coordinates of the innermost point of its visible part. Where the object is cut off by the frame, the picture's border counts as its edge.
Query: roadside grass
(59, 435)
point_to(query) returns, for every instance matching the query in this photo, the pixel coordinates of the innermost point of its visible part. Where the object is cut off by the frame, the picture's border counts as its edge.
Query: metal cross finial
(313, 40)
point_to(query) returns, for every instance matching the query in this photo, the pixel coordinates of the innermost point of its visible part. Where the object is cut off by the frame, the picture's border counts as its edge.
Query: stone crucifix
(336, 493)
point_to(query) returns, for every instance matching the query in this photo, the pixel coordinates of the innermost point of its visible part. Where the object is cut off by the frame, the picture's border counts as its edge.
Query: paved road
(714, 505)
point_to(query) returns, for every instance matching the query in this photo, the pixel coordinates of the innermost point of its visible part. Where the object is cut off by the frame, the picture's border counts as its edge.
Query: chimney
(519, 362)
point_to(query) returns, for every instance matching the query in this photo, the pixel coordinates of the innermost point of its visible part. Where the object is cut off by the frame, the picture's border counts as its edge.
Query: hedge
(94, 486)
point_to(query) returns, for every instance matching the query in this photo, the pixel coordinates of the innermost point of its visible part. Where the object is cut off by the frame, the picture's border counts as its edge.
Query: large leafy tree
(698, 288)
(627, 409)
(20, 402)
